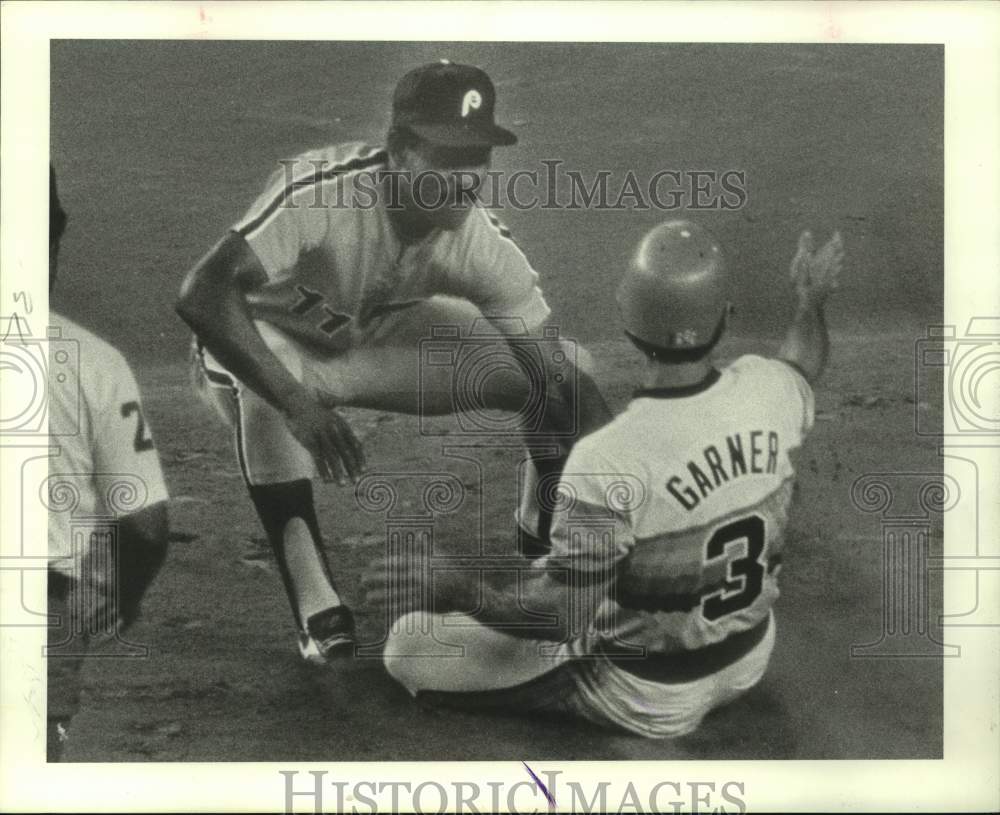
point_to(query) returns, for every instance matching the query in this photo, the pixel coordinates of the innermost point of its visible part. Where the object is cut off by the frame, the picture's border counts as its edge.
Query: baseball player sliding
(318, 297)
(667, 534)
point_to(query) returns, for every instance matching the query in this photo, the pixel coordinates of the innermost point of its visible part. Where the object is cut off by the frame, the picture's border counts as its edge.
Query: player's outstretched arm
(534, 604)
(574, 404)
(212, 302)
(815, 275)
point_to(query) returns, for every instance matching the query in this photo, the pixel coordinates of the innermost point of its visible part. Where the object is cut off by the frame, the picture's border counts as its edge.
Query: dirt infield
(160, 146)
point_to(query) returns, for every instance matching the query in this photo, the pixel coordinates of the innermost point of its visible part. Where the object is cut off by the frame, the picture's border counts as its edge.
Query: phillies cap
(449, 104)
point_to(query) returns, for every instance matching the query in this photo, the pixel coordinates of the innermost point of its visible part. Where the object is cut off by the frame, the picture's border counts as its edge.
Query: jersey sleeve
(785, 379)
(284, 222)
(800, 393)
(591, 527)
(495, 275)
(123, 449)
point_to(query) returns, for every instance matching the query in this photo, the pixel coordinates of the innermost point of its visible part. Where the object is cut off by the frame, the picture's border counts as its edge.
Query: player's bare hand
(326, 434)
(396, 582)
(816, 273)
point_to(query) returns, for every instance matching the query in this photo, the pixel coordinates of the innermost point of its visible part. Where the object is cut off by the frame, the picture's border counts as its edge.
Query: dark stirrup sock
(303, 567)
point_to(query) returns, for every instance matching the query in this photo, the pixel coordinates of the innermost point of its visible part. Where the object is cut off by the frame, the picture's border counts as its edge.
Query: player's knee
(403, 650)
(343, 390)
(454, 312)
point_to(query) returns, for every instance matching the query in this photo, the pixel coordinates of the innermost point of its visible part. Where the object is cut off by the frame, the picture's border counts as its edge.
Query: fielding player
(319, 297)
(667, 543)
(104, 446)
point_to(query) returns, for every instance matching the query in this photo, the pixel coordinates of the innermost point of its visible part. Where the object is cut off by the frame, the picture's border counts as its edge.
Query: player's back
(106, 461)
(84, 374)
(700, 548)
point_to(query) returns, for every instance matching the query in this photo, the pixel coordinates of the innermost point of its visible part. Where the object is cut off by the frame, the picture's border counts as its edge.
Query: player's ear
(392, 145)
(398, 143)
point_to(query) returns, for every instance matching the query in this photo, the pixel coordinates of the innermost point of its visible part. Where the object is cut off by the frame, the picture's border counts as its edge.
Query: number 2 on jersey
(142, 441)
(744, 575)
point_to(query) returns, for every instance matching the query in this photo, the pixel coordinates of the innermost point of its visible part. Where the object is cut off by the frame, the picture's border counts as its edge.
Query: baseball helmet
(674, 295)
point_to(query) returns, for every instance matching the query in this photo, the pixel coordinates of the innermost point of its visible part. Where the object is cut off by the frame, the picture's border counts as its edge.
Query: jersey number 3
(142, 441)
(744, 575)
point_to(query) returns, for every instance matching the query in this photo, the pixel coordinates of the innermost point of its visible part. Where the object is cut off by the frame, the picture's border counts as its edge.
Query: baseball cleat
(328, 635)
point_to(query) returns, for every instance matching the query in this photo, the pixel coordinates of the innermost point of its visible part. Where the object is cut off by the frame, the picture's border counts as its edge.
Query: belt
(686, 666)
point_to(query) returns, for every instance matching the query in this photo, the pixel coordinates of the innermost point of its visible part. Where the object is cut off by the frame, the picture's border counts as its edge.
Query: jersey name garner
(741, 454)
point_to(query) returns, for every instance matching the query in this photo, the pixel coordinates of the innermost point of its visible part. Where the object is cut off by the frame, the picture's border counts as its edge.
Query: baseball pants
(381, 368)
(452, 660)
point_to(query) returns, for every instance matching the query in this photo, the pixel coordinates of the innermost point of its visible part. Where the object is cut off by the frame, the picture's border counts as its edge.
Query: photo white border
(967, 778)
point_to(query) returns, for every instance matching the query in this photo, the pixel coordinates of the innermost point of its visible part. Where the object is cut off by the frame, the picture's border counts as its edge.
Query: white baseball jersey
(323, 235)
(107, 464)
(682, 500)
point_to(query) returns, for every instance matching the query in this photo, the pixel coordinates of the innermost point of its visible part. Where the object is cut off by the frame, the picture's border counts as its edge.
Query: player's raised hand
(816, 273)
(320, 428)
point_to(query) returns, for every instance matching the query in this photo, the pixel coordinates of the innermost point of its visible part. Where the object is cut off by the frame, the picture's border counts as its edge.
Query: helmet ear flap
(676, 355)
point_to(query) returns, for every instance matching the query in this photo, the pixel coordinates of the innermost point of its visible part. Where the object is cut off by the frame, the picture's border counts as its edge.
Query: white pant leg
(455, 653)
(267, 451)
(384, 369)
(399, 362)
